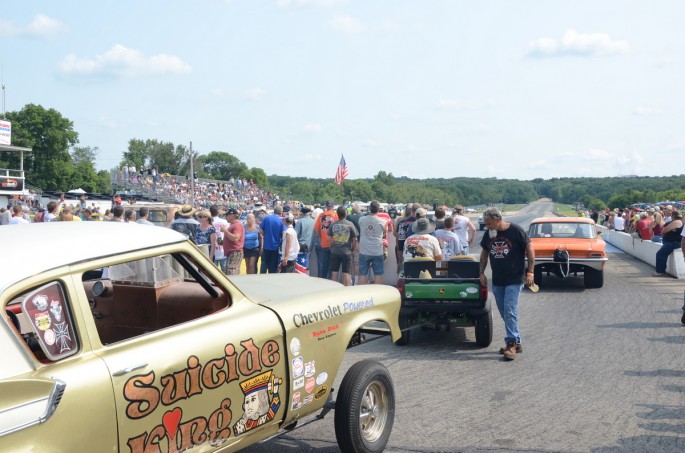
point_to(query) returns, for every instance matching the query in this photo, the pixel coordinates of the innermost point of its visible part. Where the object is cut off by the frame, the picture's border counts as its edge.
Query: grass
(565, 210)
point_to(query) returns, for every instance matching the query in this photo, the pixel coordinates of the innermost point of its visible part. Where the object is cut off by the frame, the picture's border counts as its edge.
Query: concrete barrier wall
(644, 250)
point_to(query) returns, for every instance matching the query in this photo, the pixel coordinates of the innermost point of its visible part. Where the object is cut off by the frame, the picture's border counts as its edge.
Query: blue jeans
(323, 259)
(221, 263)
(663, 253)
(507, 298)
(269, 262)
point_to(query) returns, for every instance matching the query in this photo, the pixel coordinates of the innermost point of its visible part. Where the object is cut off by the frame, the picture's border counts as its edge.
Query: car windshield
(562, 230)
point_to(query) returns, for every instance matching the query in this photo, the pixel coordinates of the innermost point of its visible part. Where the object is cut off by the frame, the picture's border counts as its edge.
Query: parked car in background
(160, 214)
(134, 341)
(481, 222)
(567, 246)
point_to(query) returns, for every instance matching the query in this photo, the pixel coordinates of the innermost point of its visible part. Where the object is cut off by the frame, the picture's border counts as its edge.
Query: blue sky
(498, 88)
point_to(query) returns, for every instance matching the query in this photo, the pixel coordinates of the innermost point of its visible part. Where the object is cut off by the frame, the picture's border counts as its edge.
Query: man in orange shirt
(323, 245)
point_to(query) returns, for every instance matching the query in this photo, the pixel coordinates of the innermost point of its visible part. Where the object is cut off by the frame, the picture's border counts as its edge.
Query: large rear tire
(593, 278)
(404, 323)
(484, 330)
(365, 408)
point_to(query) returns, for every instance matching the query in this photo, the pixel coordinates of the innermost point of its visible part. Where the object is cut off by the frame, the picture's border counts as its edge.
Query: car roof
(33, 248)
(563, 220)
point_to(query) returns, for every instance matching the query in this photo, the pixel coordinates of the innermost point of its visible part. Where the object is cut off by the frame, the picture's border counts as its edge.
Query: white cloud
(300, 3)
(124, 62)
(389, 26)
(646, 111)
(107, 122)
(345, 23)
(311, 129)
(309, 157)
(41, 26)
(446, 104)
(255, 94)
(371, 143)
(573, 43)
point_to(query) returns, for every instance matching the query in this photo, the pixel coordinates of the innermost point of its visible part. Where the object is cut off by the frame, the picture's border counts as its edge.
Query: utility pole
(192, 178)
(2, 75)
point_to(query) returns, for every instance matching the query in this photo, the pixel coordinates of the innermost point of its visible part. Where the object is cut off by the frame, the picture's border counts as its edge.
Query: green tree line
(58, 163)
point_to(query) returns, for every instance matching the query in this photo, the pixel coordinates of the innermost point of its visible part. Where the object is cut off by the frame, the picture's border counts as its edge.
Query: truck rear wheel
(484, 330)
(404, 322)
(365, 408)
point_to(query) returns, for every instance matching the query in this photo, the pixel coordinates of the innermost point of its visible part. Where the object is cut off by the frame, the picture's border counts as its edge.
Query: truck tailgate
(441, 289)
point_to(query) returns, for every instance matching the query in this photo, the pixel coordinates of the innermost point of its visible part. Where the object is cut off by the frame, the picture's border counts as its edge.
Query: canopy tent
(79, 190)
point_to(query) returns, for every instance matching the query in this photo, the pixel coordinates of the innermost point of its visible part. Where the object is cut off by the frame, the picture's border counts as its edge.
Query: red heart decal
(171, 420)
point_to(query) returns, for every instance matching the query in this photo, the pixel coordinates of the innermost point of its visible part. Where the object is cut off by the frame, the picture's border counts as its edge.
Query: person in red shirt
(644, 227)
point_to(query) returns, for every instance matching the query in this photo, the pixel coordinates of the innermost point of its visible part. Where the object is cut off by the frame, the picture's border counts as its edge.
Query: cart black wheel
(484, 330)
(365, 408)
(403, 321)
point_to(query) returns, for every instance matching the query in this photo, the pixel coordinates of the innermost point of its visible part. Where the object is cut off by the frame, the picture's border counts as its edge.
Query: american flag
(341, 173)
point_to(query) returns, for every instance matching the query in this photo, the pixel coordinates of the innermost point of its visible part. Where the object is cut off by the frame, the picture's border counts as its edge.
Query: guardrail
(644, 250)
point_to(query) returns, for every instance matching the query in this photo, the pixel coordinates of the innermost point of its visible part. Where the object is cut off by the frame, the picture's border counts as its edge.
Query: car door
(204, 383)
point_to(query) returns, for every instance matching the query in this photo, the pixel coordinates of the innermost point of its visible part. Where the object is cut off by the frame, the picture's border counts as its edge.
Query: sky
(418, 88)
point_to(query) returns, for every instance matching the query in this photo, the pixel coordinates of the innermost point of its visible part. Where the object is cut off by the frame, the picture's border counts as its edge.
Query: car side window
(43, 318)
(142, 296)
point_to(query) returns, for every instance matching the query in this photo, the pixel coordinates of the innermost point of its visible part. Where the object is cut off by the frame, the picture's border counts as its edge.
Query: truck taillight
(400, 286)
(483, 292)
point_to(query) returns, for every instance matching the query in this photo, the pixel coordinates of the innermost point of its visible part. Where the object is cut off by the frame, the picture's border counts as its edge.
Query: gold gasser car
(125, 338)
(566, 246)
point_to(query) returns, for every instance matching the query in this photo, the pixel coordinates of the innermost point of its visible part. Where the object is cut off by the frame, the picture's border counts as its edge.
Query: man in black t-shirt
(506, 245)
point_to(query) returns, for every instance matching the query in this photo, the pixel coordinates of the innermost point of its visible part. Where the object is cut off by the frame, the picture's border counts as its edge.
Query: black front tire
(593, 278)
(404, 323)
(365, 408)
(484, 330)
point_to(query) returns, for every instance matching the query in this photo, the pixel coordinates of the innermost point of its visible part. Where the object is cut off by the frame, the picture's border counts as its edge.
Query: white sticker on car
(295, 346)
(298, 367)
(321, 378)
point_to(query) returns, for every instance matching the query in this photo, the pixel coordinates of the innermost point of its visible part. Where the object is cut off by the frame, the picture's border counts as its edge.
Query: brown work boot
(510, 352)
(519, 349)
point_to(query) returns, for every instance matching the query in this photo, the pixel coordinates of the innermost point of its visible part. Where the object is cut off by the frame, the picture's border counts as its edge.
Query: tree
(136, 154)
(163, 156)
(258, 176)
(223, 166)
(50, 135)
(84, 175)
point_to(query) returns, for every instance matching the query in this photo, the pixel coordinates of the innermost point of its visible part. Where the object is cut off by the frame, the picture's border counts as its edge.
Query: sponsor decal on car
(309, 386)
(321, 392)
(298, 383)
(295, 346)
(298, 367)
(310, 368)
(321, 378)
(296, 404)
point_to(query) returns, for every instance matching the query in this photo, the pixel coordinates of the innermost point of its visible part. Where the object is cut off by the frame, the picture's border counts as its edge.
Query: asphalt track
(603, 371)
